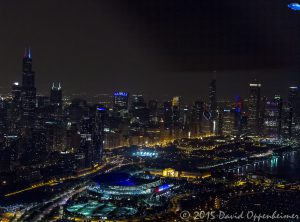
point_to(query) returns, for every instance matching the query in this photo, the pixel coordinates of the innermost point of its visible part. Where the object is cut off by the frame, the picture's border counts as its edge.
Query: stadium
(116, 185)
(118, 195)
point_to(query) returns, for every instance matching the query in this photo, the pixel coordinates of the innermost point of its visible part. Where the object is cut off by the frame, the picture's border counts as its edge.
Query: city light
(294, 6)
(155, 111)
(121, 94)
(145, 154)
(162, 188)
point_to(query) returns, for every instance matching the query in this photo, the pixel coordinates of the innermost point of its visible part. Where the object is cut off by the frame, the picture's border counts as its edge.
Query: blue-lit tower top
(28, 79)
(120, 101)
(27, 61)
(121, 94)
(294, 6)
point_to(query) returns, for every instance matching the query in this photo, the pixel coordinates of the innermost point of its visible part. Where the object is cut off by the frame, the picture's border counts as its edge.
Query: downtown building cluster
(259, 116)
(38, 136)
(43, 137)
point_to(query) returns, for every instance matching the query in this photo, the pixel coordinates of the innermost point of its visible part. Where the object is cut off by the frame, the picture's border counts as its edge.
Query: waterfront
(283, 166)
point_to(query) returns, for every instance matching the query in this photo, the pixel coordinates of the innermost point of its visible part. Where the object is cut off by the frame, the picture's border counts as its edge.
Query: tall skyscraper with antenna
(28, 94)
(213, 103)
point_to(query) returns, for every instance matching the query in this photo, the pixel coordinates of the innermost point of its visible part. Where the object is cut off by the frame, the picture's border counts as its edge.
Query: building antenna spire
(215, 74)
(29, 53)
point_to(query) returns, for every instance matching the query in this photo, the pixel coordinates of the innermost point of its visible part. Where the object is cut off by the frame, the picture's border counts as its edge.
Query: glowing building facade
(254, 108)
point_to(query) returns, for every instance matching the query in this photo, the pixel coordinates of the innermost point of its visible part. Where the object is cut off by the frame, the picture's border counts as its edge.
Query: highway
(57, 181)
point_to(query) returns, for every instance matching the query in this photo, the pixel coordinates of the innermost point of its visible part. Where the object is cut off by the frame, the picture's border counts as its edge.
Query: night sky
(156, 47)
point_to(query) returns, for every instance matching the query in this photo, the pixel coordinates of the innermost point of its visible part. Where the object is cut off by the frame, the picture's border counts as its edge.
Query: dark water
(284, 166)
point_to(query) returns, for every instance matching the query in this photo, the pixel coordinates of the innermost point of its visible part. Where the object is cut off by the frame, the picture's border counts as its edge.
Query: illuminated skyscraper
(56, 95)
(225, 121)
(213, 98)
(218, 124)
(16, 91)
(42, 102)
(278, 101)
(272, 117)
(98, 134)
(293, 109)
(139, 109)
(239, 108)
(167, 114)
(197, 116)
(15, 109)
(56, 101)
(153, 112)
(120, 101)
(3, 116)
(213, 103)
(254, 108)
(86, 145)
(28, 95)
(176, 111)
(186, 118)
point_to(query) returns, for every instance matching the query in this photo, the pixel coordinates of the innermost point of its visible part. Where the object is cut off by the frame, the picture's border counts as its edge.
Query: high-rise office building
(153, 112)
(86, 145)
(198, 116)
(15, 108)
(3, 116)
(98, 134)
(272, 117)
(293, 109)
(238, 110)
(167, 114)
(28, 95)
(16, 91)
(186, 118)
(56, 95)
(120, 101)
(55, 136)
(213, 98)
(42, 102)
(228, 121)
(139, 109)
(213, 104)
(279, 102)
(56, 100)
(218, 124)
(137, 101)
(176, 103)
(254, 108)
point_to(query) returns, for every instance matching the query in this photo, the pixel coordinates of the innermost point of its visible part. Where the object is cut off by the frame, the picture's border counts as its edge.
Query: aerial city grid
(149, 111)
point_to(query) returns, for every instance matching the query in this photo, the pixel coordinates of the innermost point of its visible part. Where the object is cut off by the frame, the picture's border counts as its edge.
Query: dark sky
(152, 46)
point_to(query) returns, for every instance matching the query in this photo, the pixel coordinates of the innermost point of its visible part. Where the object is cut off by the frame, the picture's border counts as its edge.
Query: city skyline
(130, 110)
(239, 40)
(166, 95)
